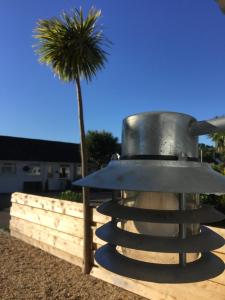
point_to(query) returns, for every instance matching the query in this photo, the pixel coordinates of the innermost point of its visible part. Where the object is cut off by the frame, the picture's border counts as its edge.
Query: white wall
(14, 182)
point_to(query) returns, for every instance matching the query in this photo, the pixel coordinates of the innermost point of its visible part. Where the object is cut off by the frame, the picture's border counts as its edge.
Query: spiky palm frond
(219, 139)
(72, 45)
(221, 5)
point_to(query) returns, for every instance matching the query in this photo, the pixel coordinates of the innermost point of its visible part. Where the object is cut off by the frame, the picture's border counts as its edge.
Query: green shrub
(216, 200)
(71, 196)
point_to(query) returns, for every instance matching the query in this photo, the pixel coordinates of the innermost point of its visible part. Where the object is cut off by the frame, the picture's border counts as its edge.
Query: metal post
(182, 229)
(114, 220)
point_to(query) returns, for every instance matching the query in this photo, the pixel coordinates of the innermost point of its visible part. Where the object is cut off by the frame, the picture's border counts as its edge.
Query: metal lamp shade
(157, 176)
(157, 218)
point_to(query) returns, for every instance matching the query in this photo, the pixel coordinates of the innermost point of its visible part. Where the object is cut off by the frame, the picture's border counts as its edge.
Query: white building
(31, 165)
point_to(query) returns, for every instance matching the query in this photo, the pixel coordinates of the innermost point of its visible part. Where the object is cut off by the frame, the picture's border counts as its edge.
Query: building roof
(24, 149)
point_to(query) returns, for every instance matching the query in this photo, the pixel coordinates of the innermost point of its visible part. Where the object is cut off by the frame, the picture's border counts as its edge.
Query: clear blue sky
(166, 55)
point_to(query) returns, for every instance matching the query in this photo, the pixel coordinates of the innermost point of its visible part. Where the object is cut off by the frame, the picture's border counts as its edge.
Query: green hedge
(71, 196)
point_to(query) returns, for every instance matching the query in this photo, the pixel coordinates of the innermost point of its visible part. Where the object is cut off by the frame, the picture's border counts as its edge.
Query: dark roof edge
(39, 140)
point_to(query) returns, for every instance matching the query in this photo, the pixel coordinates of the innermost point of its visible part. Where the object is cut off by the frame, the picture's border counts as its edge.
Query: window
(78, 171)
(50, 171)
(64, 171)
(8, 168)
(34, 170)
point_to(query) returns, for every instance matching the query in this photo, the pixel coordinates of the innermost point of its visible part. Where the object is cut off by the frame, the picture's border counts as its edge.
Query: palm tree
(72, 46)
(219, 139)
(221, 5)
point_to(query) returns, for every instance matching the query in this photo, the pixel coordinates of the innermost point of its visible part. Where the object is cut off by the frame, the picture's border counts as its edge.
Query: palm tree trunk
(87, 251)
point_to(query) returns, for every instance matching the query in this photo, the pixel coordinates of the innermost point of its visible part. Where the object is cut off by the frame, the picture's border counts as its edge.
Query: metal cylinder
(158, 134)
(159, 201)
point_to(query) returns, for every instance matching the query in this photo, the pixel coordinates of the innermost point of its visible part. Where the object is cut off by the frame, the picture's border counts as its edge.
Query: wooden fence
(56, 226)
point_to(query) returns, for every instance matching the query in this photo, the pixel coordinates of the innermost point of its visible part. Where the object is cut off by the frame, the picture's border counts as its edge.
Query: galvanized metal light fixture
(156, 219)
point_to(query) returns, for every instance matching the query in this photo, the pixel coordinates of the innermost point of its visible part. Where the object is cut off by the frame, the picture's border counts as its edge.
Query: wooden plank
(47, 248)
(99, 218)
(206, 290)
(69, 208)
(60, 222)
(22, 225)
(127, 284)
(52, 237)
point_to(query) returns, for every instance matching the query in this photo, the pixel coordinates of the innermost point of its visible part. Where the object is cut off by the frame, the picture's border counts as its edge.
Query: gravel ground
(29, 273)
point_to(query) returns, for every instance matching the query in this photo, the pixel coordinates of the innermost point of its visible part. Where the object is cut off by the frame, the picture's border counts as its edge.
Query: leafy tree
(72, 46)
(207, 152)
(219, 140)
(101, 145)
(219, 151)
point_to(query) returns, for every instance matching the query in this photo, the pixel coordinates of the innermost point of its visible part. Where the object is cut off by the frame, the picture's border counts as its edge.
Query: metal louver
(158, 212)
